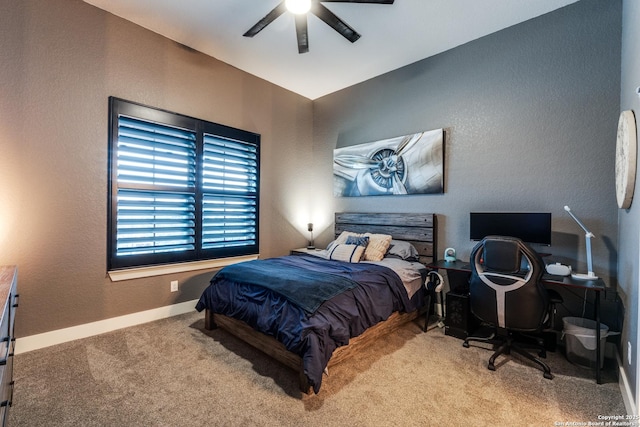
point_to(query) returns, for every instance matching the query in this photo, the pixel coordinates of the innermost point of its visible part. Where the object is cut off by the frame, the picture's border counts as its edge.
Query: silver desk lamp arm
(588, 236)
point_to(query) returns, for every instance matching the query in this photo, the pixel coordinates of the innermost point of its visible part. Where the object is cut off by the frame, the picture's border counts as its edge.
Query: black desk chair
(505, 292)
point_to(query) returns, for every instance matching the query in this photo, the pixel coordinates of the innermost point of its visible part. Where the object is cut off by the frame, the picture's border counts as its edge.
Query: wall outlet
(628, 352)
(174, 286)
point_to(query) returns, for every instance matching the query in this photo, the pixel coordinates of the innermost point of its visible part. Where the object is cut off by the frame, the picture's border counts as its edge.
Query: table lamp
(310, 229)
(587, 237)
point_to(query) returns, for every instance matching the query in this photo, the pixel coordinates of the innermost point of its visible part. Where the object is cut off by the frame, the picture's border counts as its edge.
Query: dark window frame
(200, 128)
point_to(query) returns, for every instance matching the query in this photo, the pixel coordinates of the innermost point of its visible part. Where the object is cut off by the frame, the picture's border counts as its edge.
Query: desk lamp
(587, 237)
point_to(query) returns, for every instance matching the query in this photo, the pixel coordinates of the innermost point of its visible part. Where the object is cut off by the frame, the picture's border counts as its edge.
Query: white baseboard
(35, 342)
(625, 390)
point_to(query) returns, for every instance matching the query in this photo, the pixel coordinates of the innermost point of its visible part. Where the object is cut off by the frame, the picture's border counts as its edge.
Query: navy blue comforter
(376, 292)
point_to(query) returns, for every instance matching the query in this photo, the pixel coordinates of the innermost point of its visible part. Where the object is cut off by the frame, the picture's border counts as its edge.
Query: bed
(311, 312)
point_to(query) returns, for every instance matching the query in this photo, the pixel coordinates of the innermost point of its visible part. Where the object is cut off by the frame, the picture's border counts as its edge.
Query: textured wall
(629, 220)
(59, 63)
(530, 114)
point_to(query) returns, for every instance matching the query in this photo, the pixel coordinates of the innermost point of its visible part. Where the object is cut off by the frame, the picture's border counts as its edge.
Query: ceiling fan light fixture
(298, 7)
(301, 8)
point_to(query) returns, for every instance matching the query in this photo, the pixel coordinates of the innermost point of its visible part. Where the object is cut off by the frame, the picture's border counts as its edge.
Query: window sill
(159, 270)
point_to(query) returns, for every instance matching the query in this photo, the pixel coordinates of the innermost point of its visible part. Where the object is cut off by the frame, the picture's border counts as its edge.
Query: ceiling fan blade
(268, 19)
(302, 34)
(359, 1)
(334, 22)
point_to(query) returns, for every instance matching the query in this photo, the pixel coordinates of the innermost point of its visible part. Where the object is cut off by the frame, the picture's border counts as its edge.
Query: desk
(596, 285)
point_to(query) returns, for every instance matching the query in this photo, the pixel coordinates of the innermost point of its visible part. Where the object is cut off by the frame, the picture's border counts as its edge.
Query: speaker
(459, 322)
(450, 255)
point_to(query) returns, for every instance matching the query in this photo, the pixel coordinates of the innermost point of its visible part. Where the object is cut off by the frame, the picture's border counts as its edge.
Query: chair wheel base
(491, 367)
(465, 344)
(548, 375)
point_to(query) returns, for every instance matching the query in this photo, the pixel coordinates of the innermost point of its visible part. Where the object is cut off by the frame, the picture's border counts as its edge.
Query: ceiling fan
(300, 8)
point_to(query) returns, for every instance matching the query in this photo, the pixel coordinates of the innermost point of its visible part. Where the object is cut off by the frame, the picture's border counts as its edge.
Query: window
(180, 189)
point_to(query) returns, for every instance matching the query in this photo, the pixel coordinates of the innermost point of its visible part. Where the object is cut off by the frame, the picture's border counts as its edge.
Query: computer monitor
(530, 227)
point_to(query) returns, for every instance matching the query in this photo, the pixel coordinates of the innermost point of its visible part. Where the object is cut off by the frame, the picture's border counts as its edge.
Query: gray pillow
(403, 250)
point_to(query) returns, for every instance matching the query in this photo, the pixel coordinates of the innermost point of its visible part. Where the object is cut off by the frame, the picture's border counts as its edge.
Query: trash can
(580, 341)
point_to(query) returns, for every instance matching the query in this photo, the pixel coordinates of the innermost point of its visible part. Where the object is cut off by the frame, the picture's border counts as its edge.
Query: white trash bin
(581, 342)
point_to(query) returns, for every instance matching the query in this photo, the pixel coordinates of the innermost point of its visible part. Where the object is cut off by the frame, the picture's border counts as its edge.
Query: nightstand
(304, 251)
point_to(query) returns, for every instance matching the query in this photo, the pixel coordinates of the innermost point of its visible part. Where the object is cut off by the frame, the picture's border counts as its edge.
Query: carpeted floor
(174, 373)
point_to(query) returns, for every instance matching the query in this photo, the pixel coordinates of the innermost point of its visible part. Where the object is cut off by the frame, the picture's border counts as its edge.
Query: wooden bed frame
(419, 229)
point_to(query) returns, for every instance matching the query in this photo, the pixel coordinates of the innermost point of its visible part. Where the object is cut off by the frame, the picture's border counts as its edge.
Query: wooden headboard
(417, 228)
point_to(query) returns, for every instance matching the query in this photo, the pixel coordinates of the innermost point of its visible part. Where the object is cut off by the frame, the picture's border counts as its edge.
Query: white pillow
(342, 238)
(348, 253)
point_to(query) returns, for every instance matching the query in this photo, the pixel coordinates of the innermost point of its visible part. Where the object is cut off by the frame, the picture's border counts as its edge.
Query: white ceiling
(392, 35)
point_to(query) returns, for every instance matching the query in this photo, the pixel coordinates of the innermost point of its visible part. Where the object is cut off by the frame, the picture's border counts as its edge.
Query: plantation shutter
(180, 189)
(156, 188)
(229, 186)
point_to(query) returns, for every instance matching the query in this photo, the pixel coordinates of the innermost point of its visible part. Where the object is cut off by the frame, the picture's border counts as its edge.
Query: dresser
(9, 301)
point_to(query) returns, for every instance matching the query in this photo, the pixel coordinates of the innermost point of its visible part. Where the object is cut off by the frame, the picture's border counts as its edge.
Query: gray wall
(629, 220)
(530, 115)
(59, 63)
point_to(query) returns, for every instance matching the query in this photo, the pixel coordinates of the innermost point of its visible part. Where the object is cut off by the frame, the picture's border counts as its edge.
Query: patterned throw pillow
(357, 240)
(348, 253)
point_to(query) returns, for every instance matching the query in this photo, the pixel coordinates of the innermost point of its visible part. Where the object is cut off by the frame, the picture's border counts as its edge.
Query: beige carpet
(174, 373)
